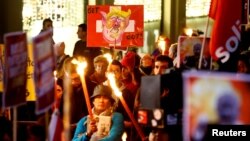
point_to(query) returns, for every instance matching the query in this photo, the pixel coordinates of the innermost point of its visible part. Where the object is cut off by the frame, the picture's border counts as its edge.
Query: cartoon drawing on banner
(114, 24)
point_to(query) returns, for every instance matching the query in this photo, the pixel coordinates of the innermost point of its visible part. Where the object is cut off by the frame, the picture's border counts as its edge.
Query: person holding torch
(104, 125)
(116, 68)
(75, 100)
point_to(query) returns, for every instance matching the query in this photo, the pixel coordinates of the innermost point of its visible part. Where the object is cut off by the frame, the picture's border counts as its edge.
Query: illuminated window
(65, 14)
(92, 2)
(196, 8)
(152, 8)
(62, 12)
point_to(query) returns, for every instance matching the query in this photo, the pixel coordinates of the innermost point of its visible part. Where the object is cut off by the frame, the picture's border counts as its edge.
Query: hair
(245, 59)
(173, 47)
(117, 63)
(59, 82)
(47, 20)
(146, 55)
(101, 58)
(83, 26)
(164, 58)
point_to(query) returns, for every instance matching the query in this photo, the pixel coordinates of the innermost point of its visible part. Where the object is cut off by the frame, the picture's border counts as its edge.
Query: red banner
(120, 26)
(225, 36)
(244, 17)
(15, 69)
(213, 7)
(44, 61)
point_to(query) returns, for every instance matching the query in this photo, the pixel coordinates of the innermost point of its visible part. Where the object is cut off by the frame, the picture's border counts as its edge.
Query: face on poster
(214, 99)
(120, 26)
(190, 48)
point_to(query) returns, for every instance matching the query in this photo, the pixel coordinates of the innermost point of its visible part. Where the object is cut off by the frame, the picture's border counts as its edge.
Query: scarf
(103, 123)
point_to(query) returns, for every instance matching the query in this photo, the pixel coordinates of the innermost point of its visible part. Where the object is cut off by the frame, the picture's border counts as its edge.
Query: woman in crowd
(105, 125)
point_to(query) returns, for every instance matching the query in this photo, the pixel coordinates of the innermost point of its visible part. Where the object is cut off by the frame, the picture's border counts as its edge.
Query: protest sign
(44, 61)
(15, 69)
(214, 98)
(115, 26)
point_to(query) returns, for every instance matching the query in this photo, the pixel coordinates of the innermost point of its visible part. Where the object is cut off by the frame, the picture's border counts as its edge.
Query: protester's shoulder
(79, 42)
(83, 119)
(117, 115)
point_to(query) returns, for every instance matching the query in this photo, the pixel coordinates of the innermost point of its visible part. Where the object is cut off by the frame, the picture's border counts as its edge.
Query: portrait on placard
(119, 26)
(212, 98)
(189, 49)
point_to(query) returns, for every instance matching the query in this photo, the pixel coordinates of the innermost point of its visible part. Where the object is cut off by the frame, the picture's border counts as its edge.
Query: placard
(188, 52)
(44, 61)
(214, 98)
(115, 26)
(15, 69)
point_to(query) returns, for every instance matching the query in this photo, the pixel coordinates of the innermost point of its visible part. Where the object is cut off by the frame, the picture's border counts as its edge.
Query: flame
(111, 78)
(55, 73)
(162, 45)
(81, 65)
(124, 136)
(108, 57)
(188, 31)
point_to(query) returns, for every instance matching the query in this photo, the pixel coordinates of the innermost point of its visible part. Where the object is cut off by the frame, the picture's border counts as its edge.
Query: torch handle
(137, 127)
(86, 95)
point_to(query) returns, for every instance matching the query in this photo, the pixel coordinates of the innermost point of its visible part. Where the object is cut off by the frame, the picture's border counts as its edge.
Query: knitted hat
(129, 60)
(102, 90)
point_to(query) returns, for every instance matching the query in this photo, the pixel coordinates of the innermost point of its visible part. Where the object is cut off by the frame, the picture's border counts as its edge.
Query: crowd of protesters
(128, 72)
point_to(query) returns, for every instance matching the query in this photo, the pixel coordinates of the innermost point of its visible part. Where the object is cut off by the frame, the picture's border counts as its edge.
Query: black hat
(102, 90)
